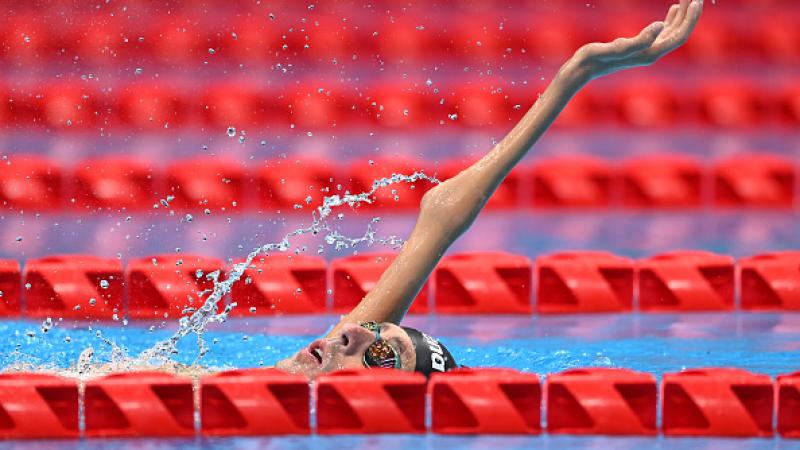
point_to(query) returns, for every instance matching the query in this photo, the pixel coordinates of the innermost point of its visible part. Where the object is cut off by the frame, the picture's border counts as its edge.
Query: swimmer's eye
(381, 354)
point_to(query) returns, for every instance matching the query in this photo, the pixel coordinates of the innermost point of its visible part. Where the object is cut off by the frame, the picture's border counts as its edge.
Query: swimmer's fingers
(626, 47)
(673, 12)
(677, 34)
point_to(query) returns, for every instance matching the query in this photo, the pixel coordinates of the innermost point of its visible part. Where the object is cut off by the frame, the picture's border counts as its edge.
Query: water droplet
(263, 142)
(138, 71)
(104, 284)
(211, 51)
(429, 82)
(188, 218)
(198, 273)
(271, 16)
(231, 131)
(27, 285)
(19, 238)
(453, 116)
(253, 309)
(241, 139)
(92, 301)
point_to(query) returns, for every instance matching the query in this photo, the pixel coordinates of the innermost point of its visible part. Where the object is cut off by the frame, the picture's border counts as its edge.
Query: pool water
(656, 343)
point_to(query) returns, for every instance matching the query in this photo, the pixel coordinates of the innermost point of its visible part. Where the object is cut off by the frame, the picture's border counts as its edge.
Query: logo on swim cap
(437, 360)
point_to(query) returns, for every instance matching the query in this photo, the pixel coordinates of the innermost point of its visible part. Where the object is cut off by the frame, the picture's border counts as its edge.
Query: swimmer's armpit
(654, 41)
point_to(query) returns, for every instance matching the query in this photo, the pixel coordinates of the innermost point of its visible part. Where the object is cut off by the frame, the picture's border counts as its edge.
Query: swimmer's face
(346, 351)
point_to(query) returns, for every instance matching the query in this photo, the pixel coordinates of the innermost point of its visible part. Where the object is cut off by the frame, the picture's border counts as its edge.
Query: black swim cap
(432, 355)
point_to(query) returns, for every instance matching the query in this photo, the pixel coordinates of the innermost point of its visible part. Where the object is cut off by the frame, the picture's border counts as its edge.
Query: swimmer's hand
(656, 40)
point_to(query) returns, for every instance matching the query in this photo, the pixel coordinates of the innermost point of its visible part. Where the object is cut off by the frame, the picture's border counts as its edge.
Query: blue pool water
(657, 343)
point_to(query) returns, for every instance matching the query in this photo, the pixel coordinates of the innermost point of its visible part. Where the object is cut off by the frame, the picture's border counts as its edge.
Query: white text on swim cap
(437, 360)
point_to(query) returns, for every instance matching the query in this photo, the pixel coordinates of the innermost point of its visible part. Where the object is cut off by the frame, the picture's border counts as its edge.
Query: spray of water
(159, 355)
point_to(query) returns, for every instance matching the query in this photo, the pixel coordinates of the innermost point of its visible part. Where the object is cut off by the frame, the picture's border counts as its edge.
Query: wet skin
(346, 351)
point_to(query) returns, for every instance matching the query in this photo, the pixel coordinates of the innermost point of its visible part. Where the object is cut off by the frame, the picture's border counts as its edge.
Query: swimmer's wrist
(574, 74)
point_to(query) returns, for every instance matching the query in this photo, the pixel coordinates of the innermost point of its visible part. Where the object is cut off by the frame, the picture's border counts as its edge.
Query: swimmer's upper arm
(448, 209)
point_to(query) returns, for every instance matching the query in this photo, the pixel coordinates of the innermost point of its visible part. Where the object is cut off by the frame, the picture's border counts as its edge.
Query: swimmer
(370, 334)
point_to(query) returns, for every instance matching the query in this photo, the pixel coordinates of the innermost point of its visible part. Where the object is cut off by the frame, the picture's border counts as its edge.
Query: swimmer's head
(373, 345)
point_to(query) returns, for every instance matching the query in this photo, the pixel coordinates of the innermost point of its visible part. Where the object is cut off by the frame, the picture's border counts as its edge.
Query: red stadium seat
(139, 404)
(402, 105)
(208, 183)
(733, 103)
(507, 195)
(177, 40)
(572, 181)
(256, 40)
(770, 281)
(239, 104)
(354, 276)
(318, 105)
(30, 182)
(482, 105)
(167, 285)
(370, 401)
(480, 283)
(778, 37)
(74, 286)
(583, 282)
(601, 401)
(717, 402)
(686, 281)
(38, 406)
(116, 184)
(790, 103)
(789, 405)
(646, 104)
(101, 39)
(398, 196)
(71, 107)
(27, 38)
(557, 38)
(281, 284)
(718, 39)
(405, 38)
(152, 107)
(283, 183)
(485, 401)
(254, 402)
(662, 181)
(330, 36)
(10, 286)
(754, 180)
(478, 36)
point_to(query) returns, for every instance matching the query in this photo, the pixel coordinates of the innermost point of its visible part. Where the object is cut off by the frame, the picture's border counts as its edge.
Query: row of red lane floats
(86, 287)
(756, 180)
(694, 402)
(733, 103)
(181, 38)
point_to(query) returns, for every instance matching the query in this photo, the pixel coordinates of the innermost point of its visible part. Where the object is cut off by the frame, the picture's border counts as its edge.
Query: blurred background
(132, 128)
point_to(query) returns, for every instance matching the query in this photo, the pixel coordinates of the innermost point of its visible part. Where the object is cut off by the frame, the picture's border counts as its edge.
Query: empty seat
(754, 180)
(116, 184)
(207, 183)
(662, 181)
(30, 183)
(572, 181)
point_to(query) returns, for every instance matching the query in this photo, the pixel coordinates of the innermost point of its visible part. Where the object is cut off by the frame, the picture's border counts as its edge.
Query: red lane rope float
(717, 402)
(139, 404)
(485, 401)
(686, 281)
(662, 181)
(478, 283)
(370, 401)
(601, 401)
(254, 402)
(281, 284)
(583, 282)
(115, 183)
(754, 180)
(282, 183)
(770, 281)
(353, 277)
(30, 182)
(65, 286)
(403, 196)
(11, 287)
(789, 405)
(572, 181)
(167, 284)
(36, 406)
(208, 183)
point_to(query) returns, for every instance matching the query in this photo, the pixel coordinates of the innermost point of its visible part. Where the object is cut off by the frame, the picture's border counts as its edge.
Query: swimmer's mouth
(316, 350)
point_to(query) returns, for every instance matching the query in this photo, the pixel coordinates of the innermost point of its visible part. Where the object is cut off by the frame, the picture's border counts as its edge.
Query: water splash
(159, 355)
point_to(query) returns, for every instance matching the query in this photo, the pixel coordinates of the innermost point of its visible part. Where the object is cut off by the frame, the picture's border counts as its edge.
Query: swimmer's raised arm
(447, 210)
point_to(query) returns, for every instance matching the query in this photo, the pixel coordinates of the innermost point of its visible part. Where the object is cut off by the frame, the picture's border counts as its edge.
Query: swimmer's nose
(356, 339)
